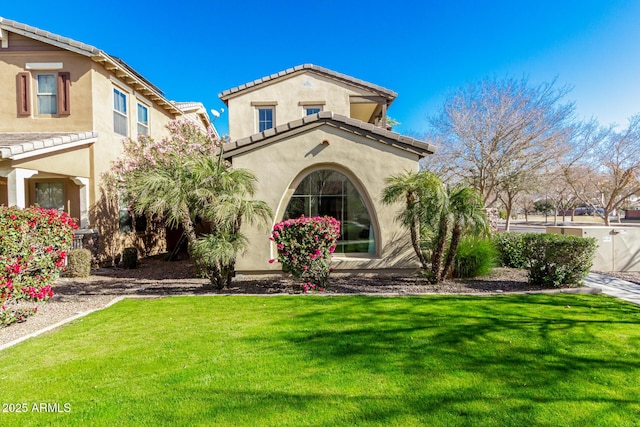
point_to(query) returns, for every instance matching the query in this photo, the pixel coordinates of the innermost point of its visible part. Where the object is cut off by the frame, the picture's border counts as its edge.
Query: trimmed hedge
(510, 248)
(557, 260)
(78, 263)
(130, 258)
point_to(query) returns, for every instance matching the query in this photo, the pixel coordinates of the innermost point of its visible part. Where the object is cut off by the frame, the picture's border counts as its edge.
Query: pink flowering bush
(33, 248)
(304, 248)
(185, 140)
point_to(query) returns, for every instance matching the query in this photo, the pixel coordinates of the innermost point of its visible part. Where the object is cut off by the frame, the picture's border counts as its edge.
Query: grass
(437, 360)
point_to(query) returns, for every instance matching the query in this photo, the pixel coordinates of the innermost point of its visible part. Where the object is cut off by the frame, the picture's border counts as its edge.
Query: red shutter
(64, 93)
(24, 94)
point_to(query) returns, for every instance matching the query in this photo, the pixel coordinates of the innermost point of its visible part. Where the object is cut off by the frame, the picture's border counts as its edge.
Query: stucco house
(318, 143)
(65, 107)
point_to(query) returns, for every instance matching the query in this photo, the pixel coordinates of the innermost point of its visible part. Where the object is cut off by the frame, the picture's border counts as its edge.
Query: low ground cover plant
(33, 249)
(305, 246)
(516, 360)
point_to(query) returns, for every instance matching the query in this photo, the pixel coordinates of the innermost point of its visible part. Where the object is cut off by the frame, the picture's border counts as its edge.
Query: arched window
(330, 193)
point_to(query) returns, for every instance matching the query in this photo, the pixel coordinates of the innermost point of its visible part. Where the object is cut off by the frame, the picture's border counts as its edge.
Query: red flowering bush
(33, 248)
(305, 246)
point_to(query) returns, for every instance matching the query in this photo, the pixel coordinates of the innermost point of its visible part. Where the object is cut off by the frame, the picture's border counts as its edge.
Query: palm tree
(182, 190)
(425, 199)
(466, 214)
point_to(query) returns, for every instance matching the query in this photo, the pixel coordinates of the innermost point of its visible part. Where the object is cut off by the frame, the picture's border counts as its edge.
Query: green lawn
(321, 361)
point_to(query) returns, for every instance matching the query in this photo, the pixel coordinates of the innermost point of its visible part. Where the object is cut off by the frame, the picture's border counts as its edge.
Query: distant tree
(498, 135)
(604, 168)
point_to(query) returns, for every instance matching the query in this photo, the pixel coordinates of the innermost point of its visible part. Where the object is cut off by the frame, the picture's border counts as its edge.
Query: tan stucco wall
(281, 165)
(109, 145)
(288, 92)
(79, 67)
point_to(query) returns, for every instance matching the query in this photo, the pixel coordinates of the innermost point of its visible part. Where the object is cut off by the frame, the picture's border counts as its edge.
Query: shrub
(557, 260)
(510, 247)
(78, 263)
(474, 257)
(33, 251)
(130, 258)
(305, 246)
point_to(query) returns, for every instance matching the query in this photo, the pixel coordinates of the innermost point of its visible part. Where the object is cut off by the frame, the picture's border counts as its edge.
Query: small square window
(265, 118)
(312, 110)
(47, 94)
(143, 120)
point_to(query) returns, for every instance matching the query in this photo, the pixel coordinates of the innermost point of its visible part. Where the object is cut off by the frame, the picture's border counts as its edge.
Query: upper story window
(51, 89)
(120, 113)
(143, 120)
(265, 118)
(312, 110)
(46, 89)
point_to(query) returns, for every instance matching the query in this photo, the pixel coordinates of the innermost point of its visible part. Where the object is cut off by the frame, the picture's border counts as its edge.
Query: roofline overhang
(46, 146)
(388, 94)
(357, 127)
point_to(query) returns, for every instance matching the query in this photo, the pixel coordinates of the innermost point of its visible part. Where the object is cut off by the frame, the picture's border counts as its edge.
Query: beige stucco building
(318, 142)
(65, 107)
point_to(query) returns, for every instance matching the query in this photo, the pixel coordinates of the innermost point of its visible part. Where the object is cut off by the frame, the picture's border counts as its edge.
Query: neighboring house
(65, 107)
(318, 142)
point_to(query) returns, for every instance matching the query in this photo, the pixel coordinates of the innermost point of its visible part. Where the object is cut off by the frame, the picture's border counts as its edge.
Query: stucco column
(16, 186)
(83, 183)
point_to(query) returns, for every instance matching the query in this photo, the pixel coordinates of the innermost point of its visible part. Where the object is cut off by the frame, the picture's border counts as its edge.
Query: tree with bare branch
(497, 135)
(604, 168)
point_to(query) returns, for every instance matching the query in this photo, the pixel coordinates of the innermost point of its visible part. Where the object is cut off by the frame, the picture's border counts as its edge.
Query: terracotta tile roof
(23, 144)
(110, 62)
(50, 38)
(389, 94)
(358, 127)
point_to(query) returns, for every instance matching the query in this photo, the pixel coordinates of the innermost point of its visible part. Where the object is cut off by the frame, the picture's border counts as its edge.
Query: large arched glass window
(330, 193)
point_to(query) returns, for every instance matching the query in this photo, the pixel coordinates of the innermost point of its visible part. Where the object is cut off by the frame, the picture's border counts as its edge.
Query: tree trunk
(438, 251)
(415, 242)
(456, 235)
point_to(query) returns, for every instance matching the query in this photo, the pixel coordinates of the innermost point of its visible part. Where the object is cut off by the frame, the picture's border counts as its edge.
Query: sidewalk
(615, 287)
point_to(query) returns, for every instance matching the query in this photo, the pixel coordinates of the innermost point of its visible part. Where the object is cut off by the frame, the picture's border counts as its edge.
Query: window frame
(60, 182)
(311, 107)
(310, 201)
(270, 108)
(125, 115)
(139, 123)
(53, 95)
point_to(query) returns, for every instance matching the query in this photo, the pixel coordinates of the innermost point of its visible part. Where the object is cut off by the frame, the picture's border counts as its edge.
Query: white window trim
(37, 66)
(126, 113)
(138, 123)
(54, 94)
(273, 116)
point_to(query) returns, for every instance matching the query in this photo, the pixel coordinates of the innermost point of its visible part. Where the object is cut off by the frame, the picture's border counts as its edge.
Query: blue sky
(193, 50)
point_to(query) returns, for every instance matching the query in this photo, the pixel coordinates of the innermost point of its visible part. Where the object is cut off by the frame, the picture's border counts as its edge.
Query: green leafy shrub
(474, 257)
(510, 247)
(130, 258)
(78, 263)
(305, 246)
(557, 260)
(502, 213)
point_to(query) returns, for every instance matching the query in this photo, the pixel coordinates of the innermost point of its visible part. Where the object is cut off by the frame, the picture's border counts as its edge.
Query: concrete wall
(618, 247)
(289, 92)
(281, 165)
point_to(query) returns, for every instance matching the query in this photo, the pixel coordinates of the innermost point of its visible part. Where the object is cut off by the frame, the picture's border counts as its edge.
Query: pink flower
(271, 261)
